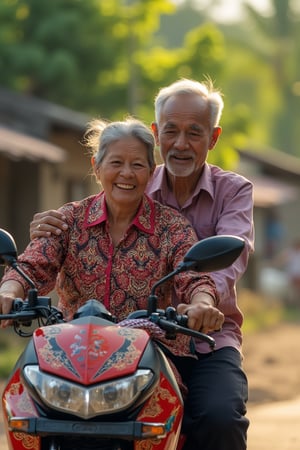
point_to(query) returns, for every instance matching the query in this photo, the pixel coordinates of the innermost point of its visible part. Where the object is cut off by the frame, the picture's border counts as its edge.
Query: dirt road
(272, 363)
(275, 426)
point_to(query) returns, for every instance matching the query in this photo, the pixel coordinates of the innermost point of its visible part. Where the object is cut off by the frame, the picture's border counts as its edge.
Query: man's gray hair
(100, 134)
(185, 86)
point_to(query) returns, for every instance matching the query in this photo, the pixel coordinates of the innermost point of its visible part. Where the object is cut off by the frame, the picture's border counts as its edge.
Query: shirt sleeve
(41, 262)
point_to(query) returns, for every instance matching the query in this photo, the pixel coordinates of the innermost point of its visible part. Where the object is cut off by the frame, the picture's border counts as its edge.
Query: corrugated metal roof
(269, 192)
(18, 146)
(273, 161)
(21, 103)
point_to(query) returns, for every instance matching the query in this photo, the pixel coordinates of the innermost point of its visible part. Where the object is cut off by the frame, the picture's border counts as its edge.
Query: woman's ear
(95, 167)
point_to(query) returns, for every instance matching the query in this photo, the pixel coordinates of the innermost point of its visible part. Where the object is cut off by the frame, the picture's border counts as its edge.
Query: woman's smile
(127, 187)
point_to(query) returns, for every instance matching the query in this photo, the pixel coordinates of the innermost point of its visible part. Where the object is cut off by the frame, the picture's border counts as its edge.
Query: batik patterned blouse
(82, 263)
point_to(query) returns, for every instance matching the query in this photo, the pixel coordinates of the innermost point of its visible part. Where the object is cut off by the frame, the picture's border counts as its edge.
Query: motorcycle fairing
(16, 402)
(89, 352)
(164, 406)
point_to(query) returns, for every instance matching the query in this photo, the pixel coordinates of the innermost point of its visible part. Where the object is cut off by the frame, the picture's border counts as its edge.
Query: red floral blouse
(82, 263)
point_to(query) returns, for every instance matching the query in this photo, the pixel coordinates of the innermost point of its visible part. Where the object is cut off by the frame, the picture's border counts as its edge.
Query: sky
(232, 10)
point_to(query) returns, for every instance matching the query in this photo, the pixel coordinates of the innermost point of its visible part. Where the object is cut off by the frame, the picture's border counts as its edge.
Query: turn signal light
(157, 431)
(18, 424)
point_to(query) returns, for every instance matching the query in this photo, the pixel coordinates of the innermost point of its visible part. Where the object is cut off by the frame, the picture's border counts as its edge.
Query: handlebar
(23, 313)
(172, 323)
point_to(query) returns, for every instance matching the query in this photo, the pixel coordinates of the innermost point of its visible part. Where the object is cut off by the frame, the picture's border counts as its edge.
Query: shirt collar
(159, 182)
(144, 220)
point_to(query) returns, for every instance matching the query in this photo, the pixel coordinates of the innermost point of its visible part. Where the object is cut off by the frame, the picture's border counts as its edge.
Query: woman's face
(124, 172)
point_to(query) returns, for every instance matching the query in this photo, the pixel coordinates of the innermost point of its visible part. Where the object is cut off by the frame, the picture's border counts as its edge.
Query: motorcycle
(92, 383)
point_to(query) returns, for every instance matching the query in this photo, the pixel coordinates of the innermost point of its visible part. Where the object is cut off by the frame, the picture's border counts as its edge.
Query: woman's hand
(10, 290)
(46, 223)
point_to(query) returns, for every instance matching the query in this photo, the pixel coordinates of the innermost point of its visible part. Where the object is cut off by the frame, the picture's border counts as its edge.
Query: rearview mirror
(213, 253)
(8, 249)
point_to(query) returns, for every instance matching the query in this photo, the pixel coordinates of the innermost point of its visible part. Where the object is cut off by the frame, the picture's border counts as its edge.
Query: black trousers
(216, 404)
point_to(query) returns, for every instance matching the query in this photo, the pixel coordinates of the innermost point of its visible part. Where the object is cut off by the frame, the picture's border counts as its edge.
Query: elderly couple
(114, 245)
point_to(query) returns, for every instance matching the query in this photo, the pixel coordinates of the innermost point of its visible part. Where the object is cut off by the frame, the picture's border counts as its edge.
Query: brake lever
(19, 316)
(175, 328)
(172, 328)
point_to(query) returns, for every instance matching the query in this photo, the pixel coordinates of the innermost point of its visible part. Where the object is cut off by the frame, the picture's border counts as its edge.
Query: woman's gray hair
(185, 86)
(100, 134)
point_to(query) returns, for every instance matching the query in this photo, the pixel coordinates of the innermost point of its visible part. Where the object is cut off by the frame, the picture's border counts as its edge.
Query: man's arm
(236, 219)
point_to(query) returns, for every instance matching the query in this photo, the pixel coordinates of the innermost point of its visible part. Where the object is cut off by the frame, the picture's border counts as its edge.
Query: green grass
(11, 346)
(261, 312)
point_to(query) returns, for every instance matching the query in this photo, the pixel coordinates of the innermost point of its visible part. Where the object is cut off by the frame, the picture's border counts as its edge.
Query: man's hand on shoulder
(46, 223)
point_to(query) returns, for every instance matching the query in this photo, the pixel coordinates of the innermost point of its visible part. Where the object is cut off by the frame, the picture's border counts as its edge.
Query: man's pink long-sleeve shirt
(222, 203)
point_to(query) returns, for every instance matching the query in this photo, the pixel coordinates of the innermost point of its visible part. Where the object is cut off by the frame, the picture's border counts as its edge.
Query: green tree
(68, 51)
(202, 56)
(277, 44)
(107, 57)
(50, 49)
(121, 89)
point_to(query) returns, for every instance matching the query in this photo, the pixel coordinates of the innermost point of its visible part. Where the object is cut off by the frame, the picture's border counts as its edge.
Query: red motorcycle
(92, 383)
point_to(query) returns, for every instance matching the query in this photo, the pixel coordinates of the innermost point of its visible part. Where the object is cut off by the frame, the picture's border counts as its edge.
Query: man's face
(185, 135)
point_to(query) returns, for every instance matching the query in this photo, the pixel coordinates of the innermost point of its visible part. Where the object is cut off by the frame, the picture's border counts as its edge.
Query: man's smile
(182, 158)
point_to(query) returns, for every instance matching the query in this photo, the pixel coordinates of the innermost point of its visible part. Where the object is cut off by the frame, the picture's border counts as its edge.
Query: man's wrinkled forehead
(188, 108)
(184, 103)
(191, 126)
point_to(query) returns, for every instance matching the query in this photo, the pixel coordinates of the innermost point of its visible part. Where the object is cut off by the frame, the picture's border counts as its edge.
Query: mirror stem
(23, 275)
(152, 299)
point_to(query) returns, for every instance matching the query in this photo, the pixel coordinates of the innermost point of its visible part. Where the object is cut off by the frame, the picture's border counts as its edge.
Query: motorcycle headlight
(104, 398)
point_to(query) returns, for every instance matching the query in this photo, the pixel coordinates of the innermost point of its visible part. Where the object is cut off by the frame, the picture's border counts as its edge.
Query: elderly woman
(118, 242)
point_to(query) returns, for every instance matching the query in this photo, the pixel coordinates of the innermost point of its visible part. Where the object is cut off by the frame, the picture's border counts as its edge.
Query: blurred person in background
(286, 265)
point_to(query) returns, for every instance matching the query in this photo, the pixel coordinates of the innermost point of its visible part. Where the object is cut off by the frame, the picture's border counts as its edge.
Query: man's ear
(152, 170)
(154, 129)
(214, 137)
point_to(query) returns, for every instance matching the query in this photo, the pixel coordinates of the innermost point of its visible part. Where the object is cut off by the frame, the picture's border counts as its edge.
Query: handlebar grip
(17, 305)
(182, 320)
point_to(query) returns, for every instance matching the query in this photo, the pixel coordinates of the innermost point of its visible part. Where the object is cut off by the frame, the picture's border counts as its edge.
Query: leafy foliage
(109, 58)
(46, 54)
(270, 50)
